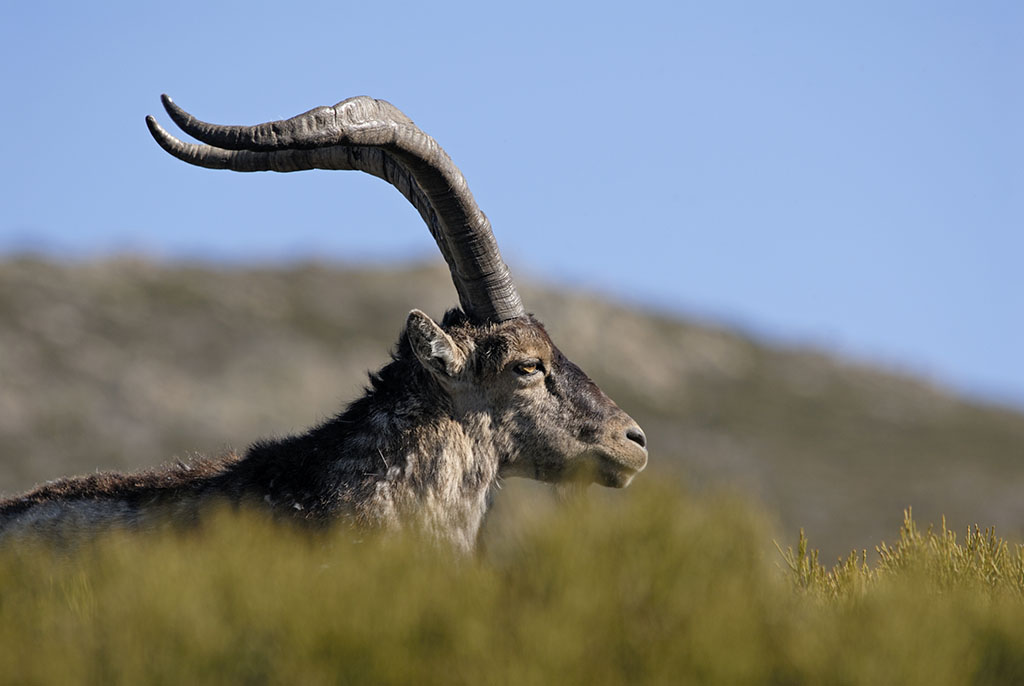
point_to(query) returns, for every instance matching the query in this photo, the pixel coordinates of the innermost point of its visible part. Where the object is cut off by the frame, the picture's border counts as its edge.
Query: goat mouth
(595, 466)
(619, 479)
(616, 471)
(617, 475)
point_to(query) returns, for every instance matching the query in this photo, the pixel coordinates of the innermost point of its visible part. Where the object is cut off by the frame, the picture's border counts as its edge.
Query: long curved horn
(372, 136)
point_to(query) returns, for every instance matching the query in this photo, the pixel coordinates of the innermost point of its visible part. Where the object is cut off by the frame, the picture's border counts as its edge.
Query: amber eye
(527, 368)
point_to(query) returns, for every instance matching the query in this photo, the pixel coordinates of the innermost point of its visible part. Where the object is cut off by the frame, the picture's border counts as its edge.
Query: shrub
(650, 586)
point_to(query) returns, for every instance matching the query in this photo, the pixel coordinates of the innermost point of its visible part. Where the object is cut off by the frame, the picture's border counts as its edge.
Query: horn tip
(161, 136)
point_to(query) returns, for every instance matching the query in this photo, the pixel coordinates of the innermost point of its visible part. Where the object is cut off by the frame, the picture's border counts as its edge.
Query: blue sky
(844, 175)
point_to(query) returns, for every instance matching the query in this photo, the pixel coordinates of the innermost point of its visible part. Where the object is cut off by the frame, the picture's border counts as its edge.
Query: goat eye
(527, 368)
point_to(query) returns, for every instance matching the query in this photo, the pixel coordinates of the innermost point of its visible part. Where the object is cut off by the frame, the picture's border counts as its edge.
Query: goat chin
(602, 468)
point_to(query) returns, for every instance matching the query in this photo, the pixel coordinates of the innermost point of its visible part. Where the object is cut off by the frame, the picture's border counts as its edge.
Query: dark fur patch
(134, 488)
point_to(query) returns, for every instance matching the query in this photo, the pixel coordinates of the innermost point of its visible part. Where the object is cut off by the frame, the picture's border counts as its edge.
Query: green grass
(655, 586)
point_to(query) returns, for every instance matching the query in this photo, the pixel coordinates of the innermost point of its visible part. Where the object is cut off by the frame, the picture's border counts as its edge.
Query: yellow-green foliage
(983, 563)
(649, 586)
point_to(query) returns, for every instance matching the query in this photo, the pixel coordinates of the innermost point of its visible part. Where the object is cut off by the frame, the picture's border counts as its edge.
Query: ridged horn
(371, 136)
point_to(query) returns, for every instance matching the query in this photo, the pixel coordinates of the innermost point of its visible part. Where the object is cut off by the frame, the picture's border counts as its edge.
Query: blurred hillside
(125, 363)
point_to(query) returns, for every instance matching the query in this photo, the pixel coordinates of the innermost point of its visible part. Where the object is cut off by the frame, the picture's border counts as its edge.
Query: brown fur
(136, 487)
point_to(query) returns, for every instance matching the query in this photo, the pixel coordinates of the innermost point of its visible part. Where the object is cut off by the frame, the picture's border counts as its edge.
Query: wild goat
(481, 396)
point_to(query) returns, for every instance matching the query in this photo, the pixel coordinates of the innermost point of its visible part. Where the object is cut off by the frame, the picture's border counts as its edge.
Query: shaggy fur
(460, 406)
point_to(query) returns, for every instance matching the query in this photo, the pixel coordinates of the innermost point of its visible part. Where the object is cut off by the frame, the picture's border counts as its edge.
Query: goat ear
(433, 347)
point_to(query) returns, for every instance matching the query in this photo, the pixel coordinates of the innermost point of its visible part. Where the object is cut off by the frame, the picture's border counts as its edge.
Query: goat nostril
(637, 436)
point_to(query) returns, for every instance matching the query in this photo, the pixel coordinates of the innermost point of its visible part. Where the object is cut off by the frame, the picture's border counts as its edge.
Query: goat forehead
(515, 340)
(532, 337)
(530, 344)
